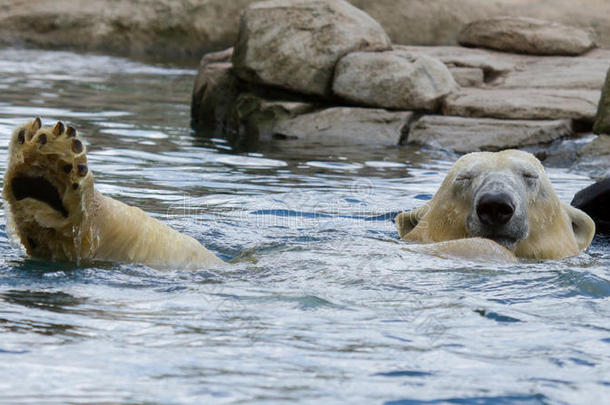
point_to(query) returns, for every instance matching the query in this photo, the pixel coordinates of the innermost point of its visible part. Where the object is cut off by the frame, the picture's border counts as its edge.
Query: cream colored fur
(556, 230)
(96, 227)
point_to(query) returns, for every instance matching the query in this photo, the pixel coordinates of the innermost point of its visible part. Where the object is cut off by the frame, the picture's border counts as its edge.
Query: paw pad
(49, 159)
(82, 169)
(48, 186)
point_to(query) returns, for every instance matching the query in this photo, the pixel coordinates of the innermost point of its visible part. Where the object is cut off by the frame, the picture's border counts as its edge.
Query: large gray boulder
(532, 104)
(527, 35)
(602, 120)
(465, 135)
(295, 44)
(346, 126)
(394, 79)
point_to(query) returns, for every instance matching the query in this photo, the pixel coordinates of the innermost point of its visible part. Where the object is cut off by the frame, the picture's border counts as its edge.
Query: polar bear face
(498, 193)
(506, 197)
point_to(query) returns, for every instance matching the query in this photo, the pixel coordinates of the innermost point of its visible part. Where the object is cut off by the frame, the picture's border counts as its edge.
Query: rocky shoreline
(298, 78)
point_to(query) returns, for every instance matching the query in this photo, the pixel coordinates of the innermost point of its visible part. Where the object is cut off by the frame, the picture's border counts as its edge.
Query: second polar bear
(504, 197)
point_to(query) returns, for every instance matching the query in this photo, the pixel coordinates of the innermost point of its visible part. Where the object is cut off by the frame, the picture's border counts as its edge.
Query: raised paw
(49, 189)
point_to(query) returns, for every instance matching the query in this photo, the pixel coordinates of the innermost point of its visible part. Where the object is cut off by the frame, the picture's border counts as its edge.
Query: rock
(595, 157)
(426, 22)
(558, 73)
(160, 28)
(585, 154)
(346, 126)
(602, 120)
(526, 35)
(595, 200)
(524, 104)
(187, 28)
(252, 117)
(215, 89)
(394, 79)
(524, 71)
(217, 57)
(491, 62)
(561, 153)
(295, 44)
(463, 135)
(468, 77)
(437, 22)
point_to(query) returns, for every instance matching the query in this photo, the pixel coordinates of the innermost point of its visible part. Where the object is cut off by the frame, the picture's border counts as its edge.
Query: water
(320, 304)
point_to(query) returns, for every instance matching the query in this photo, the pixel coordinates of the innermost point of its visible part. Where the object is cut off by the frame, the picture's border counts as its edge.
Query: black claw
(67, 168)
(58, 129)
(77, 146)
(82, 169)
(37, 124)
(42, 139)
(70, 132)
(21, 136)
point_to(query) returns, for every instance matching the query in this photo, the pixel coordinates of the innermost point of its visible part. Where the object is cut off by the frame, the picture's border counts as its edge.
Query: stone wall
(188, 28)
(325, 72)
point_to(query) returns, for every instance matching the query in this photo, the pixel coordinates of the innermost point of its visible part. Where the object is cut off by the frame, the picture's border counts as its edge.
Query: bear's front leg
(57, 214)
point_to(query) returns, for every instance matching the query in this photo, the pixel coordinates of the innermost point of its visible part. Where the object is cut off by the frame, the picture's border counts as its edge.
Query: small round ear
(582, 225)
(406, 221)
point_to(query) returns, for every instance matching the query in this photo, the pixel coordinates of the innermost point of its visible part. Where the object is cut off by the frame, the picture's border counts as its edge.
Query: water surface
(321, 304)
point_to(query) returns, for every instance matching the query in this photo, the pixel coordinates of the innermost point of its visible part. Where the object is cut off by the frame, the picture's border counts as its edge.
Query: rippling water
(320, 304)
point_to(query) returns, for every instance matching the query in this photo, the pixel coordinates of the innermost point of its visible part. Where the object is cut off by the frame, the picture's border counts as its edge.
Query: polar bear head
(504, 196)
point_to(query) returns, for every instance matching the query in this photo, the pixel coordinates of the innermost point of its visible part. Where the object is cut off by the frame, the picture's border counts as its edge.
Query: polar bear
(498, 204)
(56, 213)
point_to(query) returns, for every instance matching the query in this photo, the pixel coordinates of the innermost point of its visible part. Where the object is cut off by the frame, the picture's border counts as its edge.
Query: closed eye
(463, 178)
(530, 175)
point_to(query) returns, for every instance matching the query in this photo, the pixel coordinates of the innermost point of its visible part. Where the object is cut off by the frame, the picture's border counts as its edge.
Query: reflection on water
(320, 304)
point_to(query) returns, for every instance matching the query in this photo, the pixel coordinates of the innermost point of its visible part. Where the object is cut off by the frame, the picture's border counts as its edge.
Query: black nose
(495, 208)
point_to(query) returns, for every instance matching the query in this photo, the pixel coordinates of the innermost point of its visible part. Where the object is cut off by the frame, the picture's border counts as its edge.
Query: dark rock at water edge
(595, 201)
(215, 90)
